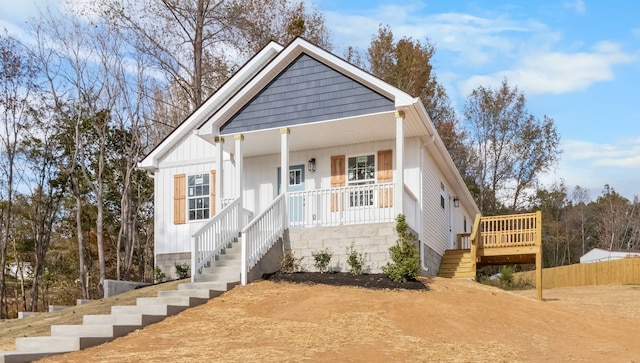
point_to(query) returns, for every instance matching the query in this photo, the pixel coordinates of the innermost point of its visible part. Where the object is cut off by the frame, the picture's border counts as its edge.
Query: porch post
(219, 140)
(284, 169)
(243, 238)
(398, 171)
(239, 138)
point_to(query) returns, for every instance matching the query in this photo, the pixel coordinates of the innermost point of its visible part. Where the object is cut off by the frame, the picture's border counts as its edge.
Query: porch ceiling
(353, 130)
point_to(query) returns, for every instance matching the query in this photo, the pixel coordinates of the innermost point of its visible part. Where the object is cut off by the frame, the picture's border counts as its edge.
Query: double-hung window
(198, 187)
(360, 173)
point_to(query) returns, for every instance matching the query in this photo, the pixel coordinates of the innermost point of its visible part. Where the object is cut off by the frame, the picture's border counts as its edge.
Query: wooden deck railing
(510, 235)
(517, 230)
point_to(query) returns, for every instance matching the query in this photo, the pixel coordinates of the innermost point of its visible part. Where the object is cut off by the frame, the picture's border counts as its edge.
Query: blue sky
(577, 61)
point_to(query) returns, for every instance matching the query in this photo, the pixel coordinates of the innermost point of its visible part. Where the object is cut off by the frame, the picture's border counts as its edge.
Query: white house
(354, 151)
(599, 255)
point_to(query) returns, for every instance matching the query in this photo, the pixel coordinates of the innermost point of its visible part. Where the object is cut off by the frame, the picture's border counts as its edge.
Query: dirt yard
(453, 321)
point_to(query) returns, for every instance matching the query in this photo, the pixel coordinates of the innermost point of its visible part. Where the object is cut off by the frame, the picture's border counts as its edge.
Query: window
(295, 177)
(465, 224)
(442, 193)
(361, 170)
(198, 187)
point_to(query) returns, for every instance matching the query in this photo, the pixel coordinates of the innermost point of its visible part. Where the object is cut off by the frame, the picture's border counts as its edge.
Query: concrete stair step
(15, 356)
(140, 320)
(221, 269)
(171, 300)
(200, 293)
(93, 330)
(213, 277)
(211, 285)
(58, 344)
(162, 309)
(226, 262)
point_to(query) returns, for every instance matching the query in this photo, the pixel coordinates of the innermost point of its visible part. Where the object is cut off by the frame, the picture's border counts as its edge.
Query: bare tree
(17, 83)
(199, 44)
(512, 147)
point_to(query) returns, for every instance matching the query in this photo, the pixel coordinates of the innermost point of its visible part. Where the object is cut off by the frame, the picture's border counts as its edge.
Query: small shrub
(158, 275)
(289, 263)
(355, 260)
(506, 276)
(321, 259)
(182, 270)
(405, 255)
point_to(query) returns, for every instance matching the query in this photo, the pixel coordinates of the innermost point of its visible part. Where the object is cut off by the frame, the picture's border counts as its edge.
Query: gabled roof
(271, 62)
(211, 105)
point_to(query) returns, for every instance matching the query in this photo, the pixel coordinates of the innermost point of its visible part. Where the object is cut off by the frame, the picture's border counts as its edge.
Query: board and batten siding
(191, 156)
(192, 149)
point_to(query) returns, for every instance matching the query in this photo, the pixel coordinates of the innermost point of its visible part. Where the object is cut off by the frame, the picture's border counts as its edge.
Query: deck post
(539, 255)
(284, 169)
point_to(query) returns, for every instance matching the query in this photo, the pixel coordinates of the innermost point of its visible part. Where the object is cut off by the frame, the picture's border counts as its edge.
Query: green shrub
(182, 270)
(289, 263)
(404, 254)
(355, 260)
(506, 276)
(321, 259)
(158, 275)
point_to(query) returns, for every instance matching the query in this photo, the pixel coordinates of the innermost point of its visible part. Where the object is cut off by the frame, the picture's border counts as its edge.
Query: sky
(577, 61)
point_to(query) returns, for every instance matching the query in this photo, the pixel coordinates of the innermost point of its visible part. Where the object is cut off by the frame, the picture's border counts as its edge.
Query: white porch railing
(217, 234)
(261, 233)
(370, 203)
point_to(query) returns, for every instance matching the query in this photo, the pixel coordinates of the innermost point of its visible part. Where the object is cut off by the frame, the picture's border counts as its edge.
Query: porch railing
(369, 203)
(463, 241)
(518, 230)
(261, 233)
(217, 234)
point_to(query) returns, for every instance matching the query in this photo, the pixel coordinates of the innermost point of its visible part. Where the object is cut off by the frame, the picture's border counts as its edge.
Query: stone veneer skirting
(167, 263)
(372, 240)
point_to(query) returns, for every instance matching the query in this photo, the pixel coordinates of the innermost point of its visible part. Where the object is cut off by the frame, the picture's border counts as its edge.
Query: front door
(296, 201)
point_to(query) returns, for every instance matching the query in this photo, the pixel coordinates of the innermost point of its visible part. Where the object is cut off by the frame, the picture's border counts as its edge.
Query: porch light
(456, 202)
(312, 164)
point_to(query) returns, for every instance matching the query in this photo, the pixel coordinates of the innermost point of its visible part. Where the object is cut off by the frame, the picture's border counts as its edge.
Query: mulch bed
(369, 281)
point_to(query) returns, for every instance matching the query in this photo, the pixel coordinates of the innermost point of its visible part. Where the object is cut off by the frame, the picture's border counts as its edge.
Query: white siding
(192, 156)
(435, 225)
(434, 218)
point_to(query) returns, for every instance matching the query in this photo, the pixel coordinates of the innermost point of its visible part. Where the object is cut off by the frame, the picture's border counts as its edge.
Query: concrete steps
(99, 329)
(226, 266)
(456, 264)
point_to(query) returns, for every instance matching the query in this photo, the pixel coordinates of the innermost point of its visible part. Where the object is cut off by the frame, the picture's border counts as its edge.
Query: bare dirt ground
(452, 321)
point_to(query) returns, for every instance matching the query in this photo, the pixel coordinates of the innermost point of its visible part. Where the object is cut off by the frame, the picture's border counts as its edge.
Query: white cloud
(577, 5)
(625, 153)
(591, 165)
(556, 72)
(473, 39)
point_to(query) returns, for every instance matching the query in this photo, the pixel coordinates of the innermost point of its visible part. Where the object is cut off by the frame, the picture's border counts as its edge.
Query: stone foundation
(431, 259)
(167, 263)
(372, 240)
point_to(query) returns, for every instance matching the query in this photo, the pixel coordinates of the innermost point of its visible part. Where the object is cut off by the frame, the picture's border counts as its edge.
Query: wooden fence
(625, 271)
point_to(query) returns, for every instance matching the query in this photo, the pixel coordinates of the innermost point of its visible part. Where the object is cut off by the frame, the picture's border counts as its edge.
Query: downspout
(424, 268)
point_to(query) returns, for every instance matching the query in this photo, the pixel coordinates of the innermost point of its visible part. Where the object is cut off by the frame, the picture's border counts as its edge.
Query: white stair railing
(261, 234)
(216, 235)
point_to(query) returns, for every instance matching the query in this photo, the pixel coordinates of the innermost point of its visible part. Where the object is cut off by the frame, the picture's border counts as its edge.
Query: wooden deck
(502, 240)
